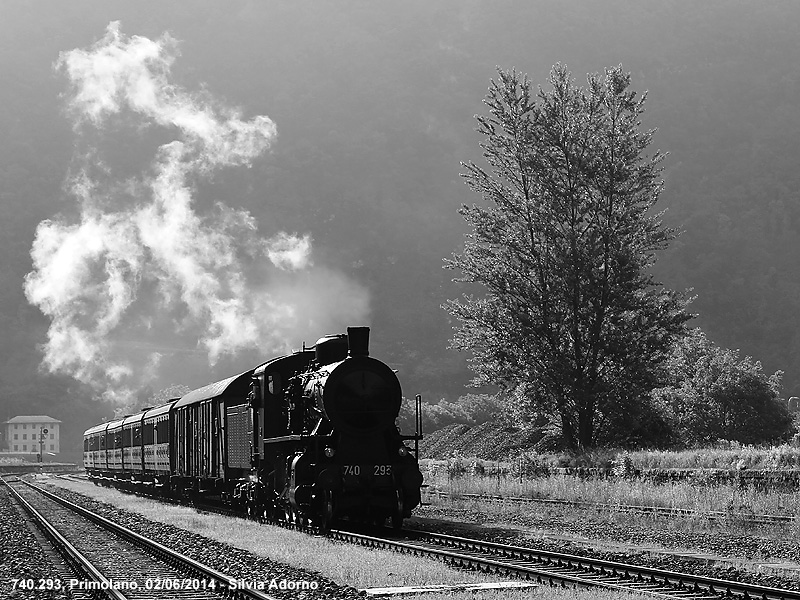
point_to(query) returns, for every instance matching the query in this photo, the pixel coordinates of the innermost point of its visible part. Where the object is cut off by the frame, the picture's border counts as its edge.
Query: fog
(187, 191)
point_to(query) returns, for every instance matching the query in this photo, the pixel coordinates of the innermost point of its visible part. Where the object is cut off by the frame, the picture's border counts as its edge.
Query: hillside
(489, 441)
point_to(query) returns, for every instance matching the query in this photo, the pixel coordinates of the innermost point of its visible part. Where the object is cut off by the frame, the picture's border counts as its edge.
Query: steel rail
(555, 575)
(162, 552)
(76, 560)
(656, 510)
(698, 583)
(516, 560)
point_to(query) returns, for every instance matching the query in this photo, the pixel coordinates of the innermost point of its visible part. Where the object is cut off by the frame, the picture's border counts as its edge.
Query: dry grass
(618, 491)
(343, 563)
(724, 455)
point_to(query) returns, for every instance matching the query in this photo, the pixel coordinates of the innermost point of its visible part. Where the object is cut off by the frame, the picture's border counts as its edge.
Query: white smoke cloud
(157, 265)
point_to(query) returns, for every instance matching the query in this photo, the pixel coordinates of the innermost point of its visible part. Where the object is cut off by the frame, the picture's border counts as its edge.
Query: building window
(15, 426)
(16, 447)
(24, 447)
(24, 436)
(23, 426)
(16, 436)
(52, 446)
(52, 436)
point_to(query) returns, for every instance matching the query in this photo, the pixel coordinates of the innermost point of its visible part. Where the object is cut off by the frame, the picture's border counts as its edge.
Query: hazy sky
(187, 191)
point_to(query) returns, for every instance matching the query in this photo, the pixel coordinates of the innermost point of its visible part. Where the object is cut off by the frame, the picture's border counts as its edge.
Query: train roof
(131, 419)
(238, 384)
(96, 429)
(159, 410)
(115, 424)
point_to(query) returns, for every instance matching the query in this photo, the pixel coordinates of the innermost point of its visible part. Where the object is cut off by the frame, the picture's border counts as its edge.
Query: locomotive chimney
(358, 341)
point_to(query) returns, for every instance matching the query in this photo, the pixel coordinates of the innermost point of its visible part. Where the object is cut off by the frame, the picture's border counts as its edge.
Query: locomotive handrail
(418, 399)
(417, 435)
(418, 432)
(295, 438)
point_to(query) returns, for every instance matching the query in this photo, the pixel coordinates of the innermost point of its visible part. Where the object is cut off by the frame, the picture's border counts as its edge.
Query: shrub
(713, 394)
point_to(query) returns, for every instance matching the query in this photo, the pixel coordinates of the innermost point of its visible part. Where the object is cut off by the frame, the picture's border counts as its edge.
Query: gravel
(532, 529)
(22, 557)
(232, 561)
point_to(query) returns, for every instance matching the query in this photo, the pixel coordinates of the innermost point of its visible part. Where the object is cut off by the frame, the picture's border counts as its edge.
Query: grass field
(619, 491)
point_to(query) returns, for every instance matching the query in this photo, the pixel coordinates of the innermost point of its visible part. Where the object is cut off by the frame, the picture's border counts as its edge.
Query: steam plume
(141, 259)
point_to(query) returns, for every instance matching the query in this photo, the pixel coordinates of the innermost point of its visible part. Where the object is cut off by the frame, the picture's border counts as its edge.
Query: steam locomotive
(309, 436)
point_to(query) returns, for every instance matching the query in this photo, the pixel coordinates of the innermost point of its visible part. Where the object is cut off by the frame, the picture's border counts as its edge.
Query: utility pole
(42, 433)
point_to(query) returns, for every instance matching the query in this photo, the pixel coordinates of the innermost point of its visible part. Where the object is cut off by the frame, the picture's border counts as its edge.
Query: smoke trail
(142, 261)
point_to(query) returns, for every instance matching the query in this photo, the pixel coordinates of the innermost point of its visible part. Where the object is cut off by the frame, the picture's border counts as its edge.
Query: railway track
(558, 569)
(114, 562)
(553, 568)
(633, 508)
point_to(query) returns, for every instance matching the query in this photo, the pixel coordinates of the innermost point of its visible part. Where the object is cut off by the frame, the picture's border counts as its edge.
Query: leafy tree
(570, 317)
(176, 390)
(145, 397)
(716, 395)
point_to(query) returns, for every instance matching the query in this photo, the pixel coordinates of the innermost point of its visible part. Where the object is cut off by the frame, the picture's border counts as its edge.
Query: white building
(28, 434)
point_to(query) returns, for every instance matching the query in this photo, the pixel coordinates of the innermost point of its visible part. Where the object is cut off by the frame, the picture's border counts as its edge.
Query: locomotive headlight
(329, 452)
(402, 451)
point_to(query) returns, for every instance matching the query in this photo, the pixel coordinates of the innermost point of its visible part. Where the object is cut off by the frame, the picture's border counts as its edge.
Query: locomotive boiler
(310, 436)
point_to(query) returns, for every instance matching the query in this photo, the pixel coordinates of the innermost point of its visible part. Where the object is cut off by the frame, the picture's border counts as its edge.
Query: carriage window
(162, 431)
(147, 432)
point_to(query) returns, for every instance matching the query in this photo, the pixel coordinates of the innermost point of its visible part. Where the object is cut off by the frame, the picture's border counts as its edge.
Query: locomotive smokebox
(358, 341)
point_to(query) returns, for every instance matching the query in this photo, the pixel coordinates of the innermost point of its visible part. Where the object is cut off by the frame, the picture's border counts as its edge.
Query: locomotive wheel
(268, 514)
(397, 515)
(300, 520)
(328, 519)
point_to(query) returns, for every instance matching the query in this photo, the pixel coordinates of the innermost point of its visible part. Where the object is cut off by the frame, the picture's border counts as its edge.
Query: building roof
(33, 419)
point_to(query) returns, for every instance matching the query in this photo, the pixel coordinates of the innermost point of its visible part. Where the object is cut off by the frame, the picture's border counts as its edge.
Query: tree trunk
(567, 429)
(586, 410)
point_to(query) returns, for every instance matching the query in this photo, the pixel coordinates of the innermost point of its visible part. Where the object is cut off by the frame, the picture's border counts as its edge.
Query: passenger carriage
(212, 437)
(155, 444)
(93, 451)
(132, 456)
(114, 448)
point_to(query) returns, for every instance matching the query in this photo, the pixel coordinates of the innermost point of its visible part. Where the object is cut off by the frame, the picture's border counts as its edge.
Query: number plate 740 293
(375, 470)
